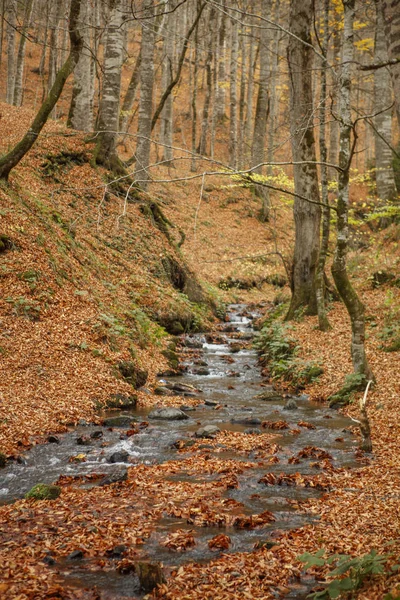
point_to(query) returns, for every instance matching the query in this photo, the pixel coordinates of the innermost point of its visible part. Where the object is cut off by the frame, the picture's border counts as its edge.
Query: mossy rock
(3, 460)
(133, 374)
(172, 358)
(42, 491)
(5, 243)
(355, 382)
(277, 280)
(382, 277)
(121, 401)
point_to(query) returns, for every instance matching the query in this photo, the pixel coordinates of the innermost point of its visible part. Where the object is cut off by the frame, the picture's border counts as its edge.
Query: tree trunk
(55, 17)
(193, 105)
(146, 96)
(391, 16)
(262, 110)
(323, 322)
(19, 71)
(220, 91)
(80, 113)
(307, 216)
(348, 294)
(12, 158)
(233, 82)
(108, 118)
(11, 24)
(130, 96)
(385, 184)
(334, 123)
(202, 148)
(167, 70)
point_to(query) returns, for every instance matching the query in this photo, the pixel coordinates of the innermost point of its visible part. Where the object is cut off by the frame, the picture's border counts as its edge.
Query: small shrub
(357, 570)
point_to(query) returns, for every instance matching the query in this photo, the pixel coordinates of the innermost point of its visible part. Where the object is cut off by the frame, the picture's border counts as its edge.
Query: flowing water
(228, 376)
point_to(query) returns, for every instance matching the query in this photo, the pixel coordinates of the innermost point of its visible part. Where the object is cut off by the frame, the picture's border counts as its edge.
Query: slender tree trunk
(391, 16)
(55, 17)
(250, 92)
(242, 93)
(221, 92)
(2, 13)
(202, 148)
(262, 110)
(130, 95)
(193, 165)
(348, 294)
(307, 216)
(19, 71)
(167, 71)
(323, 322)
(146, 97)
(11, 24)
(233, 83)
(80, 113)
(333, 122)
(12, 158)
(385, 184)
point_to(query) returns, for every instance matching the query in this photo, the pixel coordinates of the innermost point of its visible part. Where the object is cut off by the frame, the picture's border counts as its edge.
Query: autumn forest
(199, 299)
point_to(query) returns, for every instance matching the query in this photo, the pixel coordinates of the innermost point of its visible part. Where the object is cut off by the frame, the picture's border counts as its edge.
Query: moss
(353, 383)
(394, 346)
(3, 460)
(42, 491)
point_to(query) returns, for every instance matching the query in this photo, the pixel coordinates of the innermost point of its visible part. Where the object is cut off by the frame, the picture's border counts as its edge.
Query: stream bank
(180, 488)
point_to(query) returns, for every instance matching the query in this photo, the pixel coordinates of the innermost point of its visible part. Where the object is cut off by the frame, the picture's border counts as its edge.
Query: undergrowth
(357, 571)
(278, 352)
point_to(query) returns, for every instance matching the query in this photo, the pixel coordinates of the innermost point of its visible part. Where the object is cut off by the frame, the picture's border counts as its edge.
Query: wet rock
(201, 371)
(49, 560)
(168, 414)
(182, 388)
(75, 555)
(121, 456)
(3, 460)
(53, 439)
(291, 404)
(209, 431)
(252, 431)
(163, 391)
(150, 575)
(168, 373)
(96, 435)
(42, 491)
(121, 401)
(269, 396)
(120, 474)
(210, 403)
(187, 408)
(132, 373)
(201, 363)
(117, 551)
(83, 423)
(235, 347)
(83, 440)
(246, 420)
(120, 421)
(190, 342)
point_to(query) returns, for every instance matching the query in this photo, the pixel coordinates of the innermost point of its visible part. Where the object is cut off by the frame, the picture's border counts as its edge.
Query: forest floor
(81, 287)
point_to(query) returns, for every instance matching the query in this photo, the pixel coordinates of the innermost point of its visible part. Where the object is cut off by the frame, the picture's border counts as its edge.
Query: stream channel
(230, 380)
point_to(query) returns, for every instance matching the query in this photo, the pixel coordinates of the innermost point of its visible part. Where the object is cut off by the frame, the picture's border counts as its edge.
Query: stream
(229, 378)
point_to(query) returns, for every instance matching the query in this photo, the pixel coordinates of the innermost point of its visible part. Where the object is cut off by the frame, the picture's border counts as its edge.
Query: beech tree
(307, 214)
(108, 116)
(346, 290)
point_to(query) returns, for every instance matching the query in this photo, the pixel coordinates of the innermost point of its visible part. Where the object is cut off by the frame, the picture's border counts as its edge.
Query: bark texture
(348, 294)
(19, 71)
(108, 117)
(146, 97)
(391, 15)
(80, 114)
(306, 215)
(385, 183)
